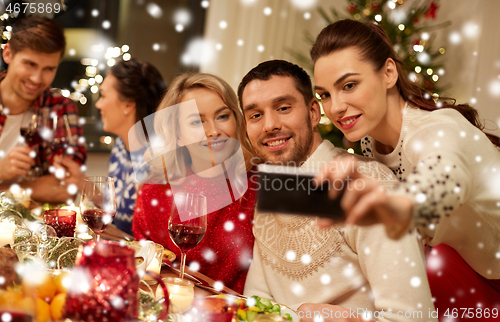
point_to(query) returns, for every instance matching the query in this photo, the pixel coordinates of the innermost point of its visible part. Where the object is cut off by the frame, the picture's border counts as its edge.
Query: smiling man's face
(279, 122)
(30, 72)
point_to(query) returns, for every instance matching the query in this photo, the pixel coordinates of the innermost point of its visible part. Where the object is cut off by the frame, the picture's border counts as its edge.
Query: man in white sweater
(343, 273)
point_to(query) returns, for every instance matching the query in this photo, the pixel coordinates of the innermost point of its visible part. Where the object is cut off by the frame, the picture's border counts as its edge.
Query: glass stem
(97, 237)
(183, 264)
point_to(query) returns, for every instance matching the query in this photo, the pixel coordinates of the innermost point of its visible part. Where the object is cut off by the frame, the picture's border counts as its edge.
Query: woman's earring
(125, 112)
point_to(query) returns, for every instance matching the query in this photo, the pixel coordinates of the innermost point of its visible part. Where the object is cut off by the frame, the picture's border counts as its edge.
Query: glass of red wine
(98, 203)
(31, 132)
(187, 223)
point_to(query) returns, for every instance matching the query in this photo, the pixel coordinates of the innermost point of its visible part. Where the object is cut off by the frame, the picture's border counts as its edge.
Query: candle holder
(7, 233)
(62, 220)
(181, 293)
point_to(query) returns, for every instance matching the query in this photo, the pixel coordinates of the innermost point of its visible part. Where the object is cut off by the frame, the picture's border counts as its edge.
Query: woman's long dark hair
(141, 83)
(376, 47)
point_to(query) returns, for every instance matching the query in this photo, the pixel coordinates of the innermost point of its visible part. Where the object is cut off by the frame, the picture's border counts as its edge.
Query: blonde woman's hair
(167, 126)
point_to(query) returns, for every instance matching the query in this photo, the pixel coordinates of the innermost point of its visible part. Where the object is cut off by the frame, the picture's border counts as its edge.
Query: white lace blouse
(452, 172)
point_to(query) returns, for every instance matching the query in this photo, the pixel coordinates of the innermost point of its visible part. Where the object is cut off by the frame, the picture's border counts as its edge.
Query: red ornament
(375, 6)
(431, 12)
(351, 8)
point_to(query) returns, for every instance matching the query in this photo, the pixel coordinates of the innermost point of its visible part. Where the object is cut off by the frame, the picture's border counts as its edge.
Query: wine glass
(98, 203)
(32, 128)
(62, 145)
(187, 223)
(31, 131)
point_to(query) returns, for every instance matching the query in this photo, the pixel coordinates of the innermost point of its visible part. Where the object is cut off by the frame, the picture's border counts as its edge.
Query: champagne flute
(98, 203)
(187, 223)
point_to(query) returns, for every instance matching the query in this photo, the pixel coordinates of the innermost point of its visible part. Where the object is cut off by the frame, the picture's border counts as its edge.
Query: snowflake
(219, 286)
(290, 255)
(348, 271)
(325, 279)
(228, 226)
(415, 281)
(305, 259)
(209, 255)
(297, 289)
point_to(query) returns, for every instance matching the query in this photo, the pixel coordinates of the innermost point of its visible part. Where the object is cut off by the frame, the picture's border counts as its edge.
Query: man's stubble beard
(298, 155)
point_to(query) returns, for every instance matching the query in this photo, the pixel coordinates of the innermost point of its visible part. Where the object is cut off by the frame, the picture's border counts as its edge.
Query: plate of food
(255, 308)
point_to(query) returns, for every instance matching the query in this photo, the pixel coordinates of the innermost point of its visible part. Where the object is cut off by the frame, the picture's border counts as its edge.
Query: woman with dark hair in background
(447, 166)
(129, 93)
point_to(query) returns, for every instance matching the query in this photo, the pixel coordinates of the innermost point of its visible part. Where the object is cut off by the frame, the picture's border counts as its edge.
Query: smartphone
(292, 190)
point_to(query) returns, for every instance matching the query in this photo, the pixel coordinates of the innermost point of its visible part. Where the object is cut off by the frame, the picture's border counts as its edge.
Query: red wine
(31, 137)
(186, 237)
(94, 219)
(58, 148)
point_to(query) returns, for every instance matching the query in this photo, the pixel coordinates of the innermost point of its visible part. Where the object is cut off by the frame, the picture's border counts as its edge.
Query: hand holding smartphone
(292, 190)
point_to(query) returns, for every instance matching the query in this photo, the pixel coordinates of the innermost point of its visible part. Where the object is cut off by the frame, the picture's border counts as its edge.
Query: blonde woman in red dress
(225, 252)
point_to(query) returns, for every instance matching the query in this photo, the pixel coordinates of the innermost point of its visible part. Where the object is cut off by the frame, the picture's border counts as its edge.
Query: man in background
(33, 55)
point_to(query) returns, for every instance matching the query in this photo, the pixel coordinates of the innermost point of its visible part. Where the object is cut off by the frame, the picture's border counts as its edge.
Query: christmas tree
(408, 25)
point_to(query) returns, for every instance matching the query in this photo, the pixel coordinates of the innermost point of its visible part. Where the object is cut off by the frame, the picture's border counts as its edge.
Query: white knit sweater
(452, 172)
(358, 268)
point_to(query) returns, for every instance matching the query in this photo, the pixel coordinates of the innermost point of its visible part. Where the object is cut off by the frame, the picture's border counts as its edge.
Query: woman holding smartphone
(447, 166)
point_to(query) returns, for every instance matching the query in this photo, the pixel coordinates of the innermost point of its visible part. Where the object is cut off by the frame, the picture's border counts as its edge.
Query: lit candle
(22, 196)
(79, 219)
(83, 232)
(7, 233)
(180, 292)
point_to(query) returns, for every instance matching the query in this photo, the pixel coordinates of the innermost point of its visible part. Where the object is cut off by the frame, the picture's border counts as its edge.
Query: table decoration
(62, 220)
(180, 292)
(63, 251)
(8, 202)
(104, 283)
(7, 230)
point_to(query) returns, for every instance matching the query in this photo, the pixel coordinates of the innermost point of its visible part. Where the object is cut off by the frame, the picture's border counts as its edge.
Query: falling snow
(209, 255)
(228, 226)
